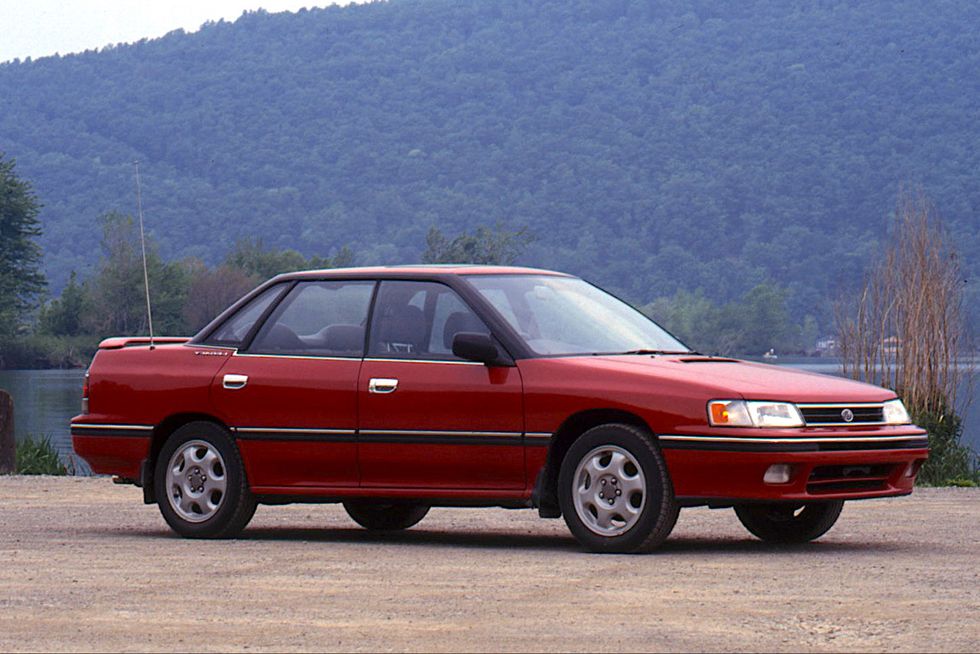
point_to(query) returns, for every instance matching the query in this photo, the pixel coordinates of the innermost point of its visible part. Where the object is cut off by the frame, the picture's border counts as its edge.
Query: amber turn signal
(719, 413)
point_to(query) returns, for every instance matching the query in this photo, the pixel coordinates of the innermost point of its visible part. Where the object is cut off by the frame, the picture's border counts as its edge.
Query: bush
(36, 456)
(951, 463)
(46, 351)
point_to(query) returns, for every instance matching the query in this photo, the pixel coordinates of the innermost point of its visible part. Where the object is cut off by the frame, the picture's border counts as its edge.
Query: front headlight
(894, 413)
(740, 413)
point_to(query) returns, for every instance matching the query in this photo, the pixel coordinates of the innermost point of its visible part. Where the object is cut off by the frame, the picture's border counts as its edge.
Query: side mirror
(478, 347)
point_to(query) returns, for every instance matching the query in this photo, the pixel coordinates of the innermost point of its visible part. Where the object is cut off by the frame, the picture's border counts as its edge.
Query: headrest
(404, 324)
(283, 339)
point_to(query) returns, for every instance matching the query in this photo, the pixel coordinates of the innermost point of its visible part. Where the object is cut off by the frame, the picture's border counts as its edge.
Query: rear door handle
(234, 382)
(378, 385)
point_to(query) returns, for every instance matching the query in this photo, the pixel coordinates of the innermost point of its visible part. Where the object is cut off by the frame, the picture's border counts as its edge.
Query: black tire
(236, 505)
(378, 516)
(789, 523)
(659, 508)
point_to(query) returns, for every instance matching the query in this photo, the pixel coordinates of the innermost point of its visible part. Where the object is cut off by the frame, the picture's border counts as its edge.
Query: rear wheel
(200, 483)
(378, 516)
(614, 490)
(789, 523)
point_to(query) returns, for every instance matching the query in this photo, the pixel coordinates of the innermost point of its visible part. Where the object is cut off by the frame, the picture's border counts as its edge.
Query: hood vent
(707, 360)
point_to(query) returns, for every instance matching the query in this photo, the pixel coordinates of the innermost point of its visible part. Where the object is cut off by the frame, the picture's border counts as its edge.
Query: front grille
(836, 479)
(836, 414)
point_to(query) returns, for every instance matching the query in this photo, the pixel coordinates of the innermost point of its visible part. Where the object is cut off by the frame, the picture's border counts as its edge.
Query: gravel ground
(84, 565)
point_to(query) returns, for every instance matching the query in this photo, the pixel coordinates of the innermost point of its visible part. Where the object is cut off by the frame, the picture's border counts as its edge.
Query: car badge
(847, 415)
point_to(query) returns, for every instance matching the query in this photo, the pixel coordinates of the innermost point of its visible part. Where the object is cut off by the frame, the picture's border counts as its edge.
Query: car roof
(420, 270)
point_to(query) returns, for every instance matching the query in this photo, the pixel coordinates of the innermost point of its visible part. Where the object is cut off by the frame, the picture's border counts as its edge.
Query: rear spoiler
(119, 342)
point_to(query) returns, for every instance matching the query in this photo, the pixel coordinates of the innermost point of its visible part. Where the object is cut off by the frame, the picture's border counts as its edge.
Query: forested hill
(650, 146)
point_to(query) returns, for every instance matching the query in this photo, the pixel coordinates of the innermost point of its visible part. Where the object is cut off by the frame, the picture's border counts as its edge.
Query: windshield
(566, 316)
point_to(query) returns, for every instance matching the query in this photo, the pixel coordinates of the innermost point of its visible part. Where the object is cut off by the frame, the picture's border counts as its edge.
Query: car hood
(747, 379)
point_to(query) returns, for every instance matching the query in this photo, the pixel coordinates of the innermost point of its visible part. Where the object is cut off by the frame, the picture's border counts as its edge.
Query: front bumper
(729, 466)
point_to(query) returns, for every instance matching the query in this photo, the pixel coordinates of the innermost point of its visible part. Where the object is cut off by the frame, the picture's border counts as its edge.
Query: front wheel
(378, 516)
(614, 490)
(200, 483)
(789, 523)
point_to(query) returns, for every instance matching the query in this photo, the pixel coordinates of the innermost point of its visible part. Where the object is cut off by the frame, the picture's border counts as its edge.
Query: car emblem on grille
(847, 415)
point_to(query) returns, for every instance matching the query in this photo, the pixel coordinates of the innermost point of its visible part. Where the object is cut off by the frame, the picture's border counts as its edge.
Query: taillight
(85, 394)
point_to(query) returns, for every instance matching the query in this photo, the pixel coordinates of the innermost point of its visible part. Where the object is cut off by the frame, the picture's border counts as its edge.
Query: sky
(36, 28)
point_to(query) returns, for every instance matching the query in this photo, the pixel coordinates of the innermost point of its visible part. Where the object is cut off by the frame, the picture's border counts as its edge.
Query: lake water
(45, 400)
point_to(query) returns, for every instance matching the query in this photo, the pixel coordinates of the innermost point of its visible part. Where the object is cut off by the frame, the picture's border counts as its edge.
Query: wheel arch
(161, 432)
(545, 495)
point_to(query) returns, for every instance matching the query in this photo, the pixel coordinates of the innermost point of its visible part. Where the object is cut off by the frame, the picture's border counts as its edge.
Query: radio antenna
(146, 274)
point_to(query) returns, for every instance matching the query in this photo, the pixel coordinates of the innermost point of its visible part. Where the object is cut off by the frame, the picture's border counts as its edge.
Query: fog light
(778, 473)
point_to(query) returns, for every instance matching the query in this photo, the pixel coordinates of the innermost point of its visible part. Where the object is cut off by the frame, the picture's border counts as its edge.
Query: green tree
(752, 324)
(649, 163)
(343, 259)
(496, 246)
(691, 317)
(809, 333)
(118, 305)
(21, 280)
(63, 315)
(762, 321)
(211, 290)
(254, 259)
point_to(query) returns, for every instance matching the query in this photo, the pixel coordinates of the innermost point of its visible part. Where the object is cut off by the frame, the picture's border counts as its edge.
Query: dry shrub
(906, 329)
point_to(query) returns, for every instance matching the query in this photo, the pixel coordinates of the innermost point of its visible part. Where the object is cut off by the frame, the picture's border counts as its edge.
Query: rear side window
(235, 330)
(318, 319)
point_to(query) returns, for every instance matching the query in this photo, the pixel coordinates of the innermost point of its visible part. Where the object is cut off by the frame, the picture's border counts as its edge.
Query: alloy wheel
(610, 490)
(196, 481)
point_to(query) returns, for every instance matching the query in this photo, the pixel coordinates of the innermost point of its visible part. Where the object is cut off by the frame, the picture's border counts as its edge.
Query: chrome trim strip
(292, 430)
(79, 425)
(841, 405)
(352, 358)
(450, 362)
(789, 439)
(236, 353)
(413, 432)
(432, 436)
(294, 356)
(538, 434)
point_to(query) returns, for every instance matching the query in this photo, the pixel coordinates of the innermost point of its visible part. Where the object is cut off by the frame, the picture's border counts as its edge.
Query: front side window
(419, 320)
(568, 316)
(323, 318)
(235, 330)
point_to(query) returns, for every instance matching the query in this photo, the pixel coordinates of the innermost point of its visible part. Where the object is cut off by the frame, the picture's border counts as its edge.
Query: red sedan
(394, 389)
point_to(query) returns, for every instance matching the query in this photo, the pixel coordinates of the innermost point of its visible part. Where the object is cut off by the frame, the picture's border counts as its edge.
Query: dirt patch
(84, 565)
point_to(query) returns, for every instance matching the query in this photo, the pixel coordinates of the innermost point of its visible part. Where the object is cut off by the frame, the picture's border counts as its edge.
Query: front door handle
(378, 385)
(234, 382)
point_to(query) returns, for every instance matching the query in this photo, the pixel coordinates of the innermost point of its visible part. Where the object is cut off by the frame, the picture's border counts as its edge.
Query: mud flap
(547, 506)
(146, 481)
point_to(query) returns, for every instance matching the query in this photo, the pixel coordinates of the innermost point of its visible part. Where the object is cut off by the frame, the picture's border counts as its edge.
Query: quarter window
(324, 318)
(236, 329)
(418, 320)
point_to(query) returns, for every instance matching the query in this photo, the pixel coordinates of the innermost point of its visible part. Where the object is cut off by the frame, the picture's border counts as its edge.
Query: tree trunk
(8, 448)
